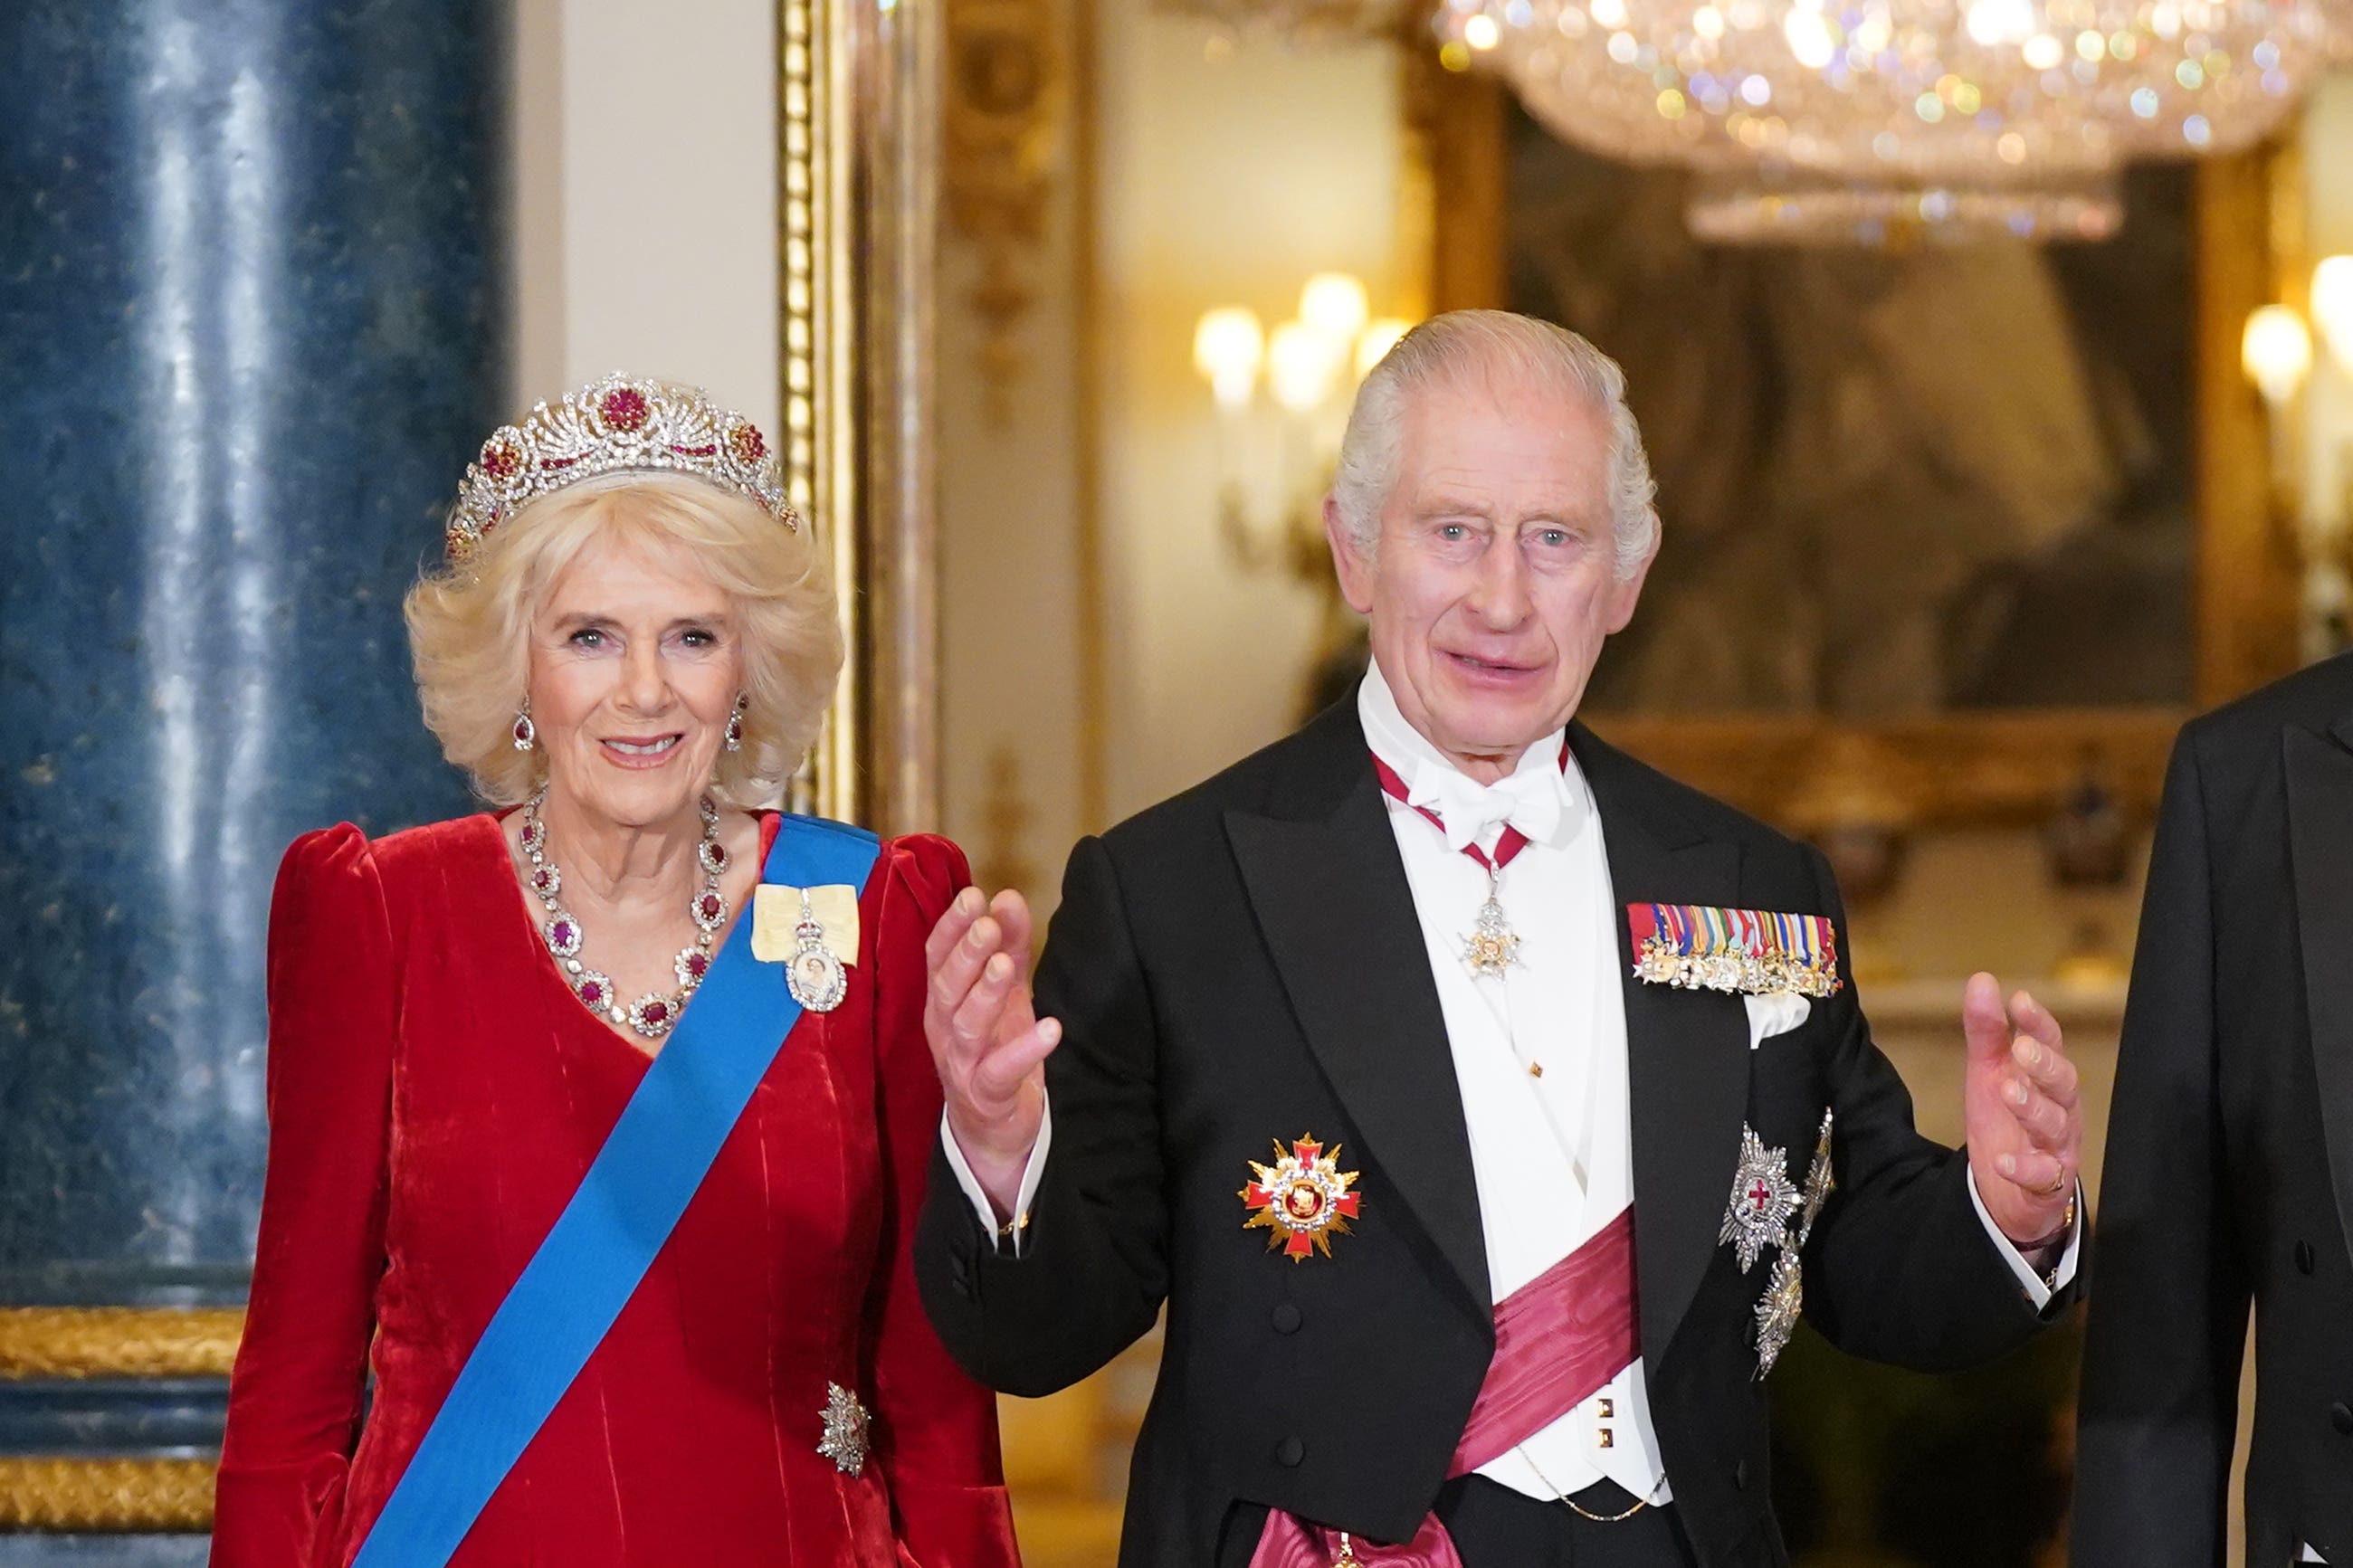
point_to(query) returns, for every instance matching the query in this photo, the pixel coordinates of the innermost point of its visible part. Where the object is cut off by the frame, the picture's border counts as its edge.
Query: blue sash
(586, 1271)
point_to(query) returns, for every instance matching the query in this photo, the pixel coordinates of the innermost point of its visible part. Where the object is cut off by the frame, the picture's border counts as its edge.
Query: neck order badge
(1493, 947)
(584, 1272)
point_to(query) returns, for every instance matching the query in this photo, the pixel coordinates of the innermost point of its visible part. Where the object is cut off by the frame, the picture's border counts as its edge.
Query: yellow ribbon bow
(776, 913)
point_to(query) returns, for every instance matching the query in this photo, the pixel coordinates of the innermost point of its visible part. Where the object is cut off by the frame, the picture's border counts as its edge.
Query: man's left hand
(2025, 1130)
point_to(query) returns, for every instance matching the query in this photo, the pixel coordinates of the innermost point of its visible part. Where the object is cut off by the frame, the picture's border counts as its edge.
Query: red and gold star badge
(1303, 1199)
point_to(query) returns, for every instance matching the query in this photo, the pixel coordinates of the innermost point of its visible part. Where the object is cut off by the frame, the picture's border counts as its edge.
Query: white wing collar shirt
(1539, 1050)
(1540, 1055)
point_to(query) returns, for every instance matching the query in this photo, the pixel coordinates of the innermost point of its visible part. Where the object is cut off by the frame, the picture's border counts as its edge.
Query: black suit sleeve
(1093, 1267)
(2163, 1348)
(1900, 1268)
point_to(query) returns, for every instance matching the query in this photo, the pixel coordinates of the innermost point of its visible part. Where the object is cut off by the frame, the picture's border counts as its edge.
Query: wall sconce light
(2276, 353)
(1275, 456)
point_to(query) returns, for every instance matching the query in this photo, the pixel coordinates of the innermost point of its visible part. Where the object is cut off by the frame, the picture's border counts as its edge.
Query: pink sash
(1558, 1338)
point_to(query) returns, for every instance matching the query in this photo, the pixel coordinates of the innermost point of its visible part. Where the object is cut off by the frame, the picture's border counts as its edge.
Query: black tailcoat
(2229, 1173)
(1243, 964)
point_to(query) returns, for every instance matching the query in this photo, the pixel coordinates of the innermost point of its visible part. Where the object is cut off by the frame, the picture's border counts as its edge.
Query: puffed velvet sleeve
(296, 1393)
(935, 1428)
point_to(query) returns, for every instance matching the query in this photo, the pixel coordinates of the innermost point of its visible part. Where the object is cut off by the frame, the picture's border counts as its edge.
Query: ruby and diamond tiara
(616, 425)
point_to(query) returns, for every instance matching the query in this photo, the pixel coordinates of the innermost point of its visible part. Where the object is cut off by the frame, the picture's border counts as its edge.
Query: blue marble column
(251, 327)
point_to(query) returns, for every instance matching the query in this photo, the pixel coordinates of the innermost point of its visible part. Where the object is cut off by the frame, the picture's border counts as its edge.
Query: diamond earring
(526, 735)
(736, 723)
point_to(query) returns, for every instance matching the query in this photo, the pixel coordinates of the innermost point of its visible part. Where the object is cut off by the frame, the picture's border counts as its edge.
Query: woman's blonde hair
(470, 627)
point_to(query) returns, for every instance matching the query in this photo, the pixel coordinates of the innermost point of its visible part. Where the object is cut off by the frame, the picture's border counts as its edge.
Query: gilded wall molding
(1004, 859)
(118, 1342)
(1093, 588)
(857, 150)
(106, 1495)
(1007, 100)
(814, 351)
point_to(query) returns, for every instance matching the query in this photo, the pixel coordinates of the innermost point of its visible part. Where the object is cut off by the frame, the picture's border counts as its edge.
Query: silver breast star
(1762, 1201)
(1776, 1314)
(845, 1430)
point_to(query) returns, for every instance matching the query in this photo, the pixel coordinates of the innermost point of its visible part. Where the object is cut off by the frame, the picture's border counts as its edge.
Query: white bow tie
(1529, 800)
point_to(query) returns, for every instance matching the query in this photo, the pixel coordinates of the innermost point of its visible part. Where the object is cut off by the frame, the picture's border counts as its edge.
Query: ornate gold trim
(106, 1495)
(1093, 673)
(1003, 114)
(118, 1342)
(1455, 159)
(1809, 774)
(896, 241)
(813, 357)
(857, 96)
(2247, 584)
(1004, 859)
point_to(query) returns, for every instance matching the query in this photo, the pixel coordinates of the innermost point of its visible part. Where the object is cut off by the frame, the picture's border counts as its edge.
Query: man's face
(1494, 581)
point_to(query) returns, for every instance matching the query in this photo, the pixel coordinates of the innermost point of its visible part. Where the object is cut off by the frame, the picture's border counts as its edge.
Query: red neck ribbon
(1510, 844)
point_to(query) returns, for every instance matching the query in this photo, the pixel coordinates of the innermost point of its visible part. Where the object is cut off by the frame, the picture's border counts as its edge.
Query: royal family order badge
(1302, 1200)
(813, 974)
(807, 930)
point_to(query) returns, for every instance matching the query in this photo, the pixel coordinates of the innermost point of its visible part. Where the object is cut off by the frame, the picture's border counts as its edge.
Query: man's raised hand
(989, 1044)
(2025, 1128)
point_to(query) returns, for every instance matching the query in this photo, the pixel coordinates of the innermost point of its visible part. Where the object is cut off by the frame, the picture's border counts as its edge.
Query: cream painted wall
(645, 209)
(1010, 523)
(1226, 177)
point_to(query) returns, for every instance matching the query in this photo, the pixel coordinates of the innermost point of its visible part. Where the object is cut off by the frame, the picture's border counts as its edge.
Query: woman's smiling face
(636, 661)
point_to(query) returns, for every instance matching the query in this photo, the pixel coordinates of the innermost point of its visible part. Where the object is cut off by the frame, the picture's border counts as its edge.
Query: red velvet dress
(437, 1093)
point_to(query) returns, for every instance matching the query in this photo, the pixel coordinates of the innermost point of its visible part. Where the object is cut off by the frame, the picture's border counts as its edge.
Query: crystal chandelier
(1810, 119)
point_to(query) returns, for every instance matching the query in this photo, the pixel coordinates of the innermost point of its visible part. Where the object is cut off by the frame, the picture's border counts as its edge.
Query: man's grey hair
(1460, 345)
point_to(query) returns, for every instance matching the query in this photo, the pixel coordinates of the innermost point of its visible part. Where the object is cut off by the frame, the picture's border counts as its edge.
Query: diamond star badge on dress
(1777, 1313)
(845, 1422)
(1762, 1200)
(1302, 1200)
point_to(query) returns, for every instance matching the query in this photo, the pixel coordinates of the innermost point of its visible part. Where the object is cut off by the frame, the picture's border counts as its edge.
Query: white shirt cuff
(1030, 1173)
(2038, 1290)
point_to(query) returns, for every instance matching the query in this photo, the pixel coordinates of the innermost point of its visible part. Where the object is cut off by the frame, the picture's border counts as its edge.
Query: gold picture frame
(2009, 766)
(858, 94)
